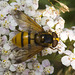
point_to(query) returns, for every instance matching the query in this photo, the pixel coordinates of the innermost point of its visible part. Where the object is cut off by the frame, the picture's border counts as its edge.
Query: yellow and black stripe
(29, 40)
(23, 39)
(22, 44)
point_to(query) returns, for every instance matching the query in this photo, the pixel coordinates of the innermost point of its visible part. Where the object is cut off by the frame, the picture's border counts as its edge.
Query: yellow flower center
(5, 21)
(4, 60)
(15, 9)
(40, 16)
(1, 15)
(38, 66)
(48, 71)
(5, 51)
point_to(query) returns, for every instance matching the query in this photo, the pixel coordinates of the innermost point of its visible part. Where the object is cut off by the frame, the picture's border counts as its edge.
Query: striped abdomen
(21, 39)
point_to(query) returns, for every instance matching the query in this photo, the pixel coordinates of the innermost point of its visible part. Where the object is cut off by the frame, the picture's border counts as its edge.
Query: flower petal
(65, 60)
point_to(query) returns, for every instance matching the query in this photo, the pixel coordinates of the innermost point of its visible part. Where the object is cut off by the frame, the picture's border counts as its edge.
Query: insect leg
(14, 48)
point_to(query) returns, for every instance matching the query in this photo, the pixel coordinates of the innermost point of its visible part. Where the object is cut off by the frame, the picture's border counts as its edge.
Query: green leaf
(10, 1)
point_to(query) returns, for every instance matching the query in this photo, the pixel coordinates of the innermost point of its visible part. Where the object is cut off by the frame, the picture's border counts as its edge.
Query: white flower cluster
(50, 20)
(8, 30)
(67, 33)
(35, 68)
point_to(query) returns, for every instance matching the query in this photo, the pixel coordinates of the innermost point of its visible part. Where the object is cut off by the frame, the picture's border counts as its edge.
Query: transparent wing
(26, 22)
(25, 54)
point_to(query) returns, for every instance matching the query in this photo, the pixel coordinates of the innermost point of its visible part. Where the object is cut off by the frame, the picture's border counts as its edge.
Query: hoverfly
(33, 39)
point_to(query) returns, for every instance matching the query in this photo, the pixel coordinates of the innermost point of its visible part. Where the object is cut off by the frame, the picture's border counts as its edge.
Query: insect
(33, 39)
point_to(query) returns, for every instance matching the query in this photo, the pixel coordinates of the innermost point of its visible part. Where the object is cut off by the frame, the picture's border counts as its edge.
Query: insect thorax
(43, 39)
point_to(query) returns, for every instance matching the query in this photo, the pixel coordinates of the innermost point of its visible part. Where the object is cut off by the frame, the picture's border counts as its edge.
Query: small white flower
(28, 2)
(34, 57)
(25, 72)
(2, 15)
(12, 68)
(4, 57)
(21, 2)
(6, 52)
(20, 68)
(1, 68)
(71, 35)
(7, 73)
(38, 14)
(6, 46)
(37, 17)
(60, 23)
(2, 30)
(11, 35)
(32, 4)
(67, 52)
(51, 23)
(46, 28)
(39, 73)
(11, 20)
(15, 5)
(65, 61)
(69, 59)
(61, 47)
(30, 12)
(9, 23)
(64, 36)
(29, 7)
(36, 66)
(44, 20)
(49, 50)
(44, 52)
(31, 72)
(11, 56)
(5, 63)
(5, 11)
(4, 39)
(49, 70)
(58, 31)
(45, 63)
(51, 12)
(3, 4)
(30, 65)
(48, 11)
(73, 64)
